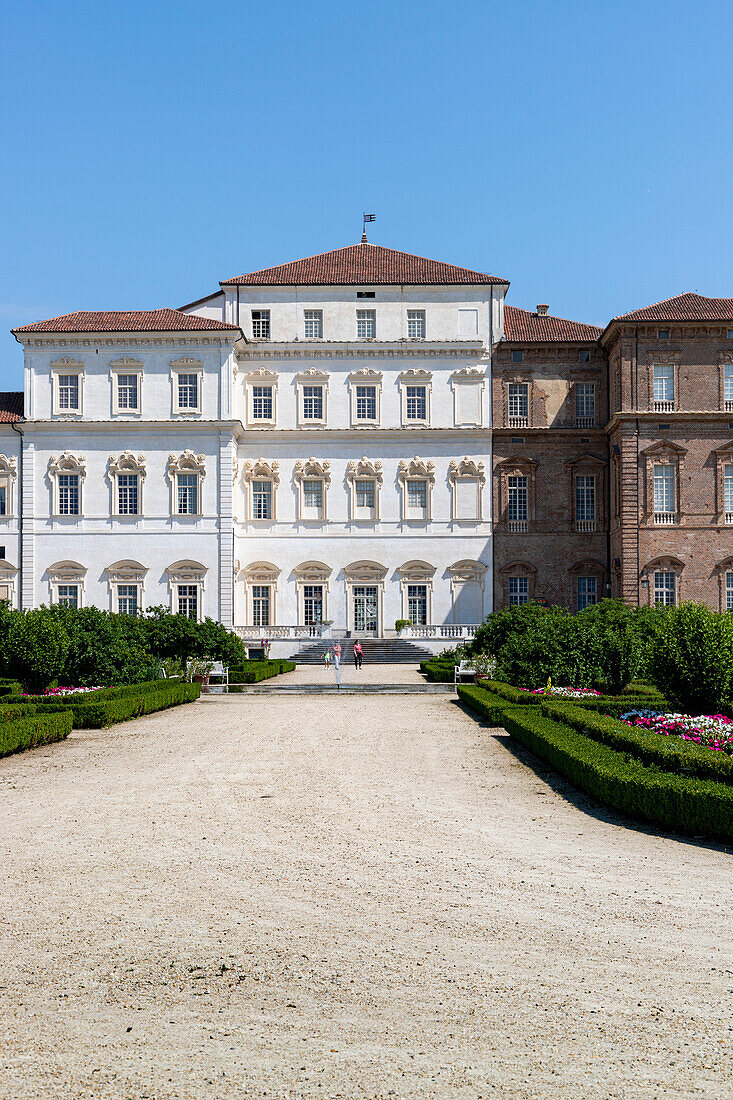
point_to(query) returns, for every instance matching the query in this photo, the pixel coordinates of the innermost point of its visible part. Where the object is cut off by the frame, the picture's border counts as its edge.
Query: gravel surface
(353, 898)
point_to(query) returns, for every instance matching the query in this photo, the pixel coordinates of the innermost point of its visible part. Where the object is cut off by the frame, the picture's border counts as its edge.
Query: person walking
(337, 655)
(358, 654)
(327, 658)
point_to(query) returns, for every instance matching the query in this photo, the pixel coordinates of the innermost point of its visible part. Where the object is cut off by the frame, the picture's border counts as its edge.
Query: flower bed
(564, 692)
(714, 731)
(59, 691)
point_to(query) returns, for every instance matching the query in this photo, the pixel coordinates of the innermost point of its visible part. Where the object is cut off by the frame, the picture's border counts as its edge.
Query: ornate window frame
(186, 364)
(725, 359)
(662, 453)
(67, 365)
(187, 572)
(312, 377)
(66, 463)
(126, 365)
(66, 572)
(663, 359)
(186, 463)
(8, 574)
(465, 571)
(260, 573)
(723, 458)
(666, 563)
(8, 478)
(521, 466)
(260, 377)
(311, 469)
(517, 568)
(365, 469)
(372, 574)
(261, 470)
(416, 572)
(467, 470)
(721, 569)
(416, 376)
(588, 567)
(587, 465)
(315, 573)
(416, 469)
(461, 379)
(127, 463)
(365, 377)
(127, 572)
(516, 378)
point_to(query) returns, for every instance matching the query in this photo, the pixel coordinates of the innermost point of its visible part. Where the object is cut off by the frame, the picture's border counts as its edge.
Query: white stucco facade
(326, 461)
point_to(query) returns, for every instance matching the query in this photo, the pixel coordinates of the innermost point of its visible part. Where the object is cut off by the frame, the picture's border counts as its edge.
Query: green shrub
(36, 647)
(26, 732)
(489, 705)
(438, 671)
(176, 636)
(692, 658)
(95, 709)
(251, 672)
(672, 754)
(10, 687)
(680, 803)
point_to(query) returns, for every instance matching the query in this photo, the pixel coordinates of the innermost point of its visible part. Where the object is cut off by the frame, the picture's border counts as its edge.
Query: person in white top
(336, 655)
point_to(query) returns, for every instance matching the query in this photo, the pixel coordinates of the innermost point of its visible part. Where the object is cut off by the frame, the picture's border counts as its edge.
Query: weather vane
(367, 218)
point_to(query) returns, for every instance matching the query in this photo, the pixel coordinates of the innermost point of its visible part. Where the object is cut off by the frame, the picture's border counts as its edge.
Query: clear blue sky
(582, 150)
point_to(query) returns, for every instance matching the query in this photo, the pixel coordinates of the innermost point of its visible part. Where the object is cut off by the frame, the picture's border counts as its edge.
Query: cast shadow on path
(585, 802)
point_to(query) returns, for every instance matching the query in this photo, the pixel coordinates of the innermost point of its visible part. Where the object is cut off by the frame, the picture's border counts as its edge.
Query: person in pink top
(336, 655)
(358, 654)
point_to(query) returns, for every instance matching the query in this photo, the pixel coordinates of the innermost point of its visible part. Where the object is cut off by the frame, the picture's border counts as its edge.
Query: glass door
(313, 604)
(365, 608)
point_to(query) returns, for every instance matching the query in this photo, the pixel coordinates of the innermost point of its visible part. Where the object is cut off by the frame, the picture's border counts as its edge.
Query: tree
(36, 649)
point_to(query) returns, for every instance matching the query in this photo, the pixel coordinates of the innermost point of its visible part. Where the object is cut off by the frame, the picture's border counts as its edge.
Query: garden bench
(222, 671)
(465, 668)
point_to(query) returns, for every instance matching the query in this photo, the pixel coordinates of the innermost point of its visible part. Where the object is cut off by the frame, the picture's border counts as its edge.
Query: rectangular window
(127, 494)
(665, 589)
(585, 499)
(587, 592)
(416, 402)
(366, 402)
(312, 604)
(518, 591)
(417, 494)
(366, 324)
(127, 602)
(127, 392)
(517, 356)
(313, 402)
(188, 391)
(585, 404)
(188, 494)
(188, 600)
(417, 604)
(728, 386)
(313, 321)
(728, 492)
(729, 591)
(664, 490)
(262, 402)
(68, 494)
(517, 503)
(518, 404)
(313, 495)
(365, 494)
(260, 605)
(69, 392)
(664, 387)
(416, 324)
(68, 595)
(261, 324)
(3, 500)
(261, 500)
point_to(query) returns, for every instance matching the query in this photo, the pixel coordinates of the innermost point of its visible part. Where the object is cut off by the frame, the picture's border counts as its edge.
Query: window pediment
(8, 466)
(666, 563)
(312, 571)
(261, 571)
(311, 467)
(467, 467)
(585, 460)
(67, 463)
(468, 374)
(126, 463)
(7, 570)
(365, 571)
(416, 374)
(262, 469)
(519, 568)
(186, 363)
(417, 571)
(262, 376)
(726, 451)
(664, 448)
(186, 463)
(517, 462)
(186, 570)
(66, 571)
(366, 374)
(126, 363)
(587, 566)
(417, 467)
(312, 375)
(365, 467)
(466, 569)
(126, 570)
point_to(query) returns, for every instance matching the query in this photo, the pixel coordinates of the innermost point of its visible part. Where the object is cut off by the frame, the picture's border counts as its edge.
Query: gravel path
(354, 898)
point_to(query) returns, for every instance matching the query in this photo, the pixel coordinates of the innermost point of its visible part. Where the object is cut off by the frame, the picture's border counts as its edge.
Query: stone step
(376, 652)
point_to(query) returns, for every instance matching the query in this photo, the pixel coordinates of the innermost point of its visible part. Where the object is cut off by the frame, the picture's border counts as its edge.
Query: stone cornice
(133, 339)
(337, 350)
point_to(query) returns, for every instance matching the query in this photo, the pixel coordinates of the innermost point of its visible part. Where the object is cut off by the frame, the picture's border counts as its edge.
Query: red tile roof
(364, 265)
(125, 320)
(684, 307)
(11, 407)
(527, 327)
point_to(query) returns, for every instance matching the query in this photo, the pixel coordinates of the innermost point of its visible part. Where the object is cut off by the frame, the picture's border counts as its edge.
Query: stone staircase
(377, 651)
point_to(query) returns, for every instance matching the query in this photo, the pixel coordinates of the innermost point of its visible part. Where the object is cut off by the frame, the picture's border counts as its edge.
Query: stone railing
(280, 633)
(458, 630)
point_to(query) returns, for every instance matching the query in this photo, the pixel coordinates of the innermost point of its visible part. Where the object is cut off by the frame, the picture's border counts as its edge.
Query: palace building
(365, 436)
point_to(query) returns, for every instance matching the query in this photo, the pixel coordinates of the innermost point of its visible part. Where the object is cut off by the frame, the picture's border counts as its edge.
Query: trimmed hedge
(29, 732)
(94, 710)
(254, 671)
(10, 687)
(439, 672)
(619, 703)
(680, 803)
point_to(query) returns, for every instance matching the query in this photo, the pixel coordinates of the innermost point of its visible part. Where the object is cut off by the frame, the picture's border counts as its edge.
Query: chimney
(542, 310)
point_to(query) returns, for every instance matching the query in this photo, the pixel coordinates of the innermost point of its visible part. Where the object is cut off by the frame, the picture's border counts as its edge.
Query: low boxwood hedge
(678, 802)
(616, 704)
(37, 729)
(10, 687)
(254, 671)
(438, 671)
(94, 710)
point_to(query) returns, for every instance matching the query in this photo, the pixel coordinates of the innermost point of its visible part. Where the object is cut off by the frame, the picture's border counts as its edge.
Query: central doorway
(366, 608)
